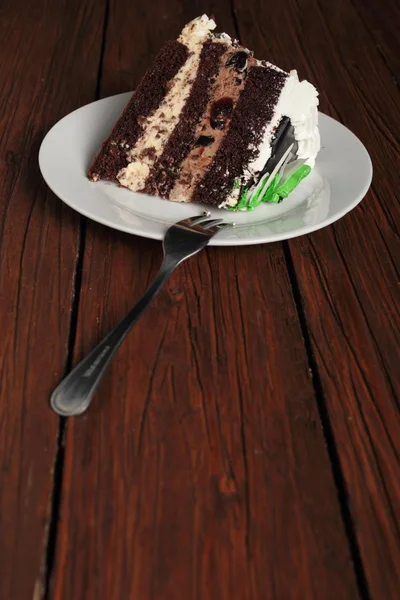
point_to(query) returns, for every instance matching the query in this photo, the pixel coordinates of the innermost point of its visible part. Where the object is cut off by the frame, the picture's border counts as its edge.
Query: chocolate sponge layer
(146, 98)
(253, 111)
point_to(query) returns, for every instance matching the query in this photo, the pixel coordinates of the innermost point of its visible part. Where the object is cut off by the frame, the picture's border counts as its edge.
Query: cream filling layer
(159, 126)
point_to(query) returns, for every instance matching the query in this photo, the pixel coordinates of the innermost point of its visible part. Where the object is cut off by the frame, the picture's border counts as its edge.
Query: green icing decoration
(277, 189)
(271, 194)
(244, 199)
(236, 184)
(293, 181)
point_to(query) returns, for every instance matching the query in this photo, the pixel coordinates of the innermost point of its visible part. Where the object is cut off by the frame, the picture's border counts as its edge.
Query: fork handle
(74, 394)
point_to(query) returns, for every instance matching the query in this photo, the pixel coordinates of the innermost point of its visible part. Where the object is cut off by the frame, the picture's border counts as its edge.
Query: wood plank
(49, 55)
(347, 274)
(201, 470)
(382, 22)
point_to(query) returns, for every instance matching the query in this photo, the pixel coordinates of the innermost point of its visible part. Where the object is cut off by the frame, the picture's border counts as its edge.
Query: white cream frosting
(299, 102)
(195, 32)
(159, 126)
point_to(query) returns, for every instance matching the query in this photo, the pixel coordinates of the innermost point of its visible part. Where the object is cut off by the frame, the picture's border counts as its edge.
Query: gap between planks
(59, 461)
(327, 430)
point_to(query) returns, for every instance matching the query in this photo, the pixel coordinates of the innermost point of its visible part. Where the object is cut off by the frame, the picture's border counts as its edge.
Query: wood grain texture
(382, 21)
(348, 274)
(201, 469)
(42, 51)
(201, 453)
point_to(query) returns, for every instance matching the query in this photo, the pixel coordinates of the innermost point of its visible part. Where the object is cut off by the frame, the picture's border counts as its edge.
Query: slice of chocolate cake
(209, 123)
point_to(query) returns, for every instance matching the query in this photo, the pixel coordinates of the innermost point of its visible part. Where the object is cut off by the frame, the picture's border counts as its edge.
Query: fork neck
(168, 265)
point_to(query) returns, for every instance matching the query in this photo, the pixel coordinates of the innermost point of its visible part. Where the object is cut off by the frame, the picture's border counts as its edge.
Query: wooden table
(245, 443)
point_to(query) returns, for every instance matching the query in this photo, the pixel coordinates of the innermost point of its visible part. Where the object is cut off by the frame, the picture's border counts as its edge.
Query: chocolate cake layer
(166, 169)
(253, 111)
(150, 92)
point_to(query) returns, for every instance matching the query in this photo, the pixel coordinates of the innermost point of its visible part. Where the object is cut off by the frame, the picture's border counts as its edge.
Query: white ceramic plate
(338, 183)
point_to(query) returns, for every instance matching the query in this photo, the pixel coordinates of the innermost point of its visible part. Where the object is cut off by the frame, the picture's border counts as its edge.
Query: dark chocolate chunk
(238, 60)
(221, 111)
(204, 140)
(150, 152)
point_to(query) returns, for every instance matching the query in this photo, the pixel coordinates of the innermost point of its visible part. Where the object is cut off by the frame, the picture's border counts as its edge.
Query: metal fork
(182, 240)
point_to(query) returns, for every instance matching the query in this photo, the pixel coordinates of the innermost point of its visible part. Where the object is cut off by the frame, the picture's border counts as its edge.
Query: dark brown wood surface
(245, 442)
(48, 68)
